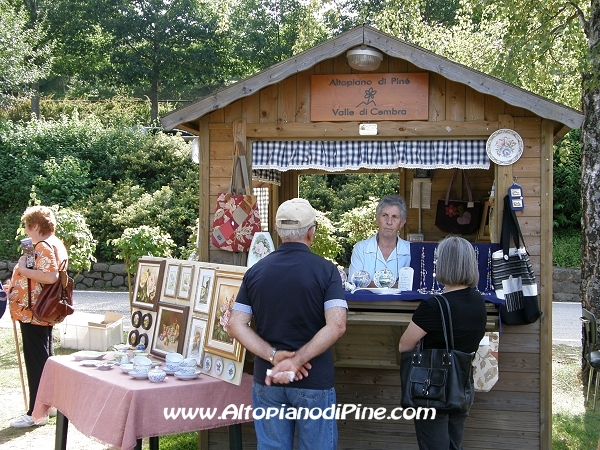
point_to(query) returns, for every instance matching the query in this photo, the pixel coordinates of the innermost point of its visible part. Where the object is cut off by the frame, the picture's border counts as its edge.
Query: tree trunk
(590, 170)
(35, 100)
(154, 99)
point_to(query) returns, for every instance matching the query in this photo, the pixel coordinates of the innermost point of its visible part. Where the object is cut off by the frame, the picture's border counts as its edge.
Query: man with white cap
(297, 302)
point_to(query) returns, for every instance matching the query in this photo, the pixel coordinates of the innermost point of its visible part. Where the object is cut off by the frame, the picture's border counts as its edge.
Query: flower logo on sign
(505, 147)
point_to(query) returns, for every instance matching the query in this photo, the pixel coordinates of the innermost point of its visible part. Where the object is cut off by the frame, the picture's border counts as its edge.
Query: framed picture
(136, 319)
(196, 339)
(186, 277)
(204, 289)
(147, 321)
(148, 283)
(171, 279)
(169, 331)
(218, 341)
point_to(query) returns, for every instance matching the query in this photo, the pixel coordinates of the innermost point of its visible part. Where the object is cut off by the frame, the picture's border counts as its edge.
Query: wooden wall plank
(251, 108)
(455, 101)
(303, 97)
(474, 104)
(286, 100)
(437, 102)
(268, 104)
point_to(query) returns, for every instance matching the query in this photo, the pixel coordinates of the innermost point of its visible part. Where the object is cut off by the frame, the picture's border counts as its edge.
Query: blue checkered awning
(336, 156)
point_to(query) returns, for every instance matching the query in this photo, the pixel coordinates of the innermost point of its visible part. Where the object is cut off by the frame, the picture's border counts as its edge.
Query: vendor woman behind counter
(385, 249)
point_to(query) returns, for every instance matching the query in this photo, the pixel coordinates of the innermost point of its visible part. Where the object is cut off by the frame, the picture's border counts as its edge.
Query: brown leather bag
(55, 302)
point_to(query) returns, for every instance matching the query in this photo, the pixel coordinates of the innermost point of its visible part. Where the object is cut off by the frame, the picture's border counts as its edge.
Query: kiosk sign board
(374, 96)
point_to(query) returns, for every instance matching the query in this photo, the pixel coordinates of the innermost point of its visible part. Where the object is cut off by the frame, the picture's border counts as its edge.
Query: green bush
(567, 181)
(567, 249)
(116, 177)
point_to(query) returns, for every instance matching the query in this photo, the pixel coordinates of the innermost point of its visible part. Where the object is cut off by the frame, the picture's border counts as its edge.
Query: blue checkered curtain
(336, 156)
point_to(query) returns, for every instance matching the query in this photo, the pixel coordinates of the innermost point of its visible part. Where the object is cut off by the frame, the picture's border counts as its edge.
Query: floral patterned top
(48, 257)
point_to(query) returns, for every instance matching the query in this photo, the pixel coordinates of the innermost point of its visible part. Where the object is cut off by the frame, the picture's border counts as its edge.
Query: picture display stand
(184, 308)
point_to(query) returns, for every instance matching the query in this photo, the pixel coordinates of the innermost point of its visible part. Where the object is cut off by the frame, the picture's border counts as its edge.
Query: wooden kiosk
(287, 106)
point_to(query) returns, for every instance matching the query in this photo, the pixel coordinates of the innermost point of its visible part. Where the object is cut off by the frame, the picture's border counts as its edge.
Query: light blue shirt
(367, 256)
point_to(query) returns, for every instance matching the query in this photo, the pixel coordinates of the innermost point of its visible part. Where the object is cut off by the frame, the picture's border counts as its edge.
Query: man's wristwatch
(272, 355)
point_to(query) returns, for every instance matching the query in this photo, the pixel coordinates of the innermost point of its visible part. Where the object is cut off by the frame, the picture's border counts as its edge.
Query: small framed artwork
(185, 282)
(196, 339)
(143, 340)
(170, 328)
(148, 283)
(204, 288)
(218, 341)
(136, 319)
(171, 279)
(134, 337)
(147, 321)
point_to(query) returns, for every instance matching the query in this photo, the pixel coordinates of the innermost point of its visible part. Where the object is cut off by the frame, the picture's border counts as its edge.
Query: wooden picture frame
(170, 329)
(171, 280)
(184, 285)
(148, 284)
(195, 344)
(218, 341)
(204, 288)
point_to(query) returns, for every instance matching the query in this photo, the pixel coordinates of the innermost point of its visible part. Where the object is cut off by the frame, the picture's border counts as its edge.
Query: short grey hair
(456, 263)
(392, 200)
(294, 235)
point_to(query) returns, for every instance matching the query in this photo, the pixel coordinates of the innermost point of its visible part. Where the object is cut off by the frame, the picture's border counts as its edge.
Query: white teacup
(174, 357)
(173, 366)
(142, 364)
(189, 362)
(187, 370)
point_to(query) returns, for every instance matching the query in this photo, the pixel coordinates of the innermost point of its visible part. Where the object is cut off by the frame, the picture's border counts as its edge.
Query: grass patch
(573, 426)
(567, 249)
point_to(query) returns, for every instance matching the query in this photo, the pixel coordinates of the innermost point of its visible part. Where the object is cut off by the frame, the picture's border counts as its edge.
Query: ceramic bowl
(174, 357)
(126, 368)
(156, 375)
(173, 367)
(142, 364)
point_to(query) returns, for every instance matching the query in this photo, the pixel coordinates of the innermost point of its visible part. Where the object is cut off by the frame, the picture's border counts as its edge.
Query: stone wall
(101, 276)
(113, 277)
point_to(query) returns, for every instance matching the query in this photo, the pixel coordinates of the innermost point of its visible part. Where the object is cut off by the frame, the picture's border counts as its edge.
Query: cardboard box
(87, 331)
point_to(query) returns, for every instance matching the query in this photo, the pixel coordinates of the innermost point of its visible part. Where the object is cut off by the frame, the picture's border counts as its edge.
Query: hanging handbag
(458, 216)
(485, 363)
(55, 301)
(236, 215)
(438, 378)
(512, 274)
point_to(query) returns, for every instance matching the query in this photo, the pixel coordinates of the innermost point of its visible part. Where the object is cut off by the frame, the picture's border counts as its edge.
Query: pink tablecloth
(117, 409)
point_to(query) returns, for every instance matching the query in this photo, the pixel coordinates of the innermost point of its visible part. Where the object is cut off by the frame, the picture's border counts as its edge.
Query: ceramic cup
(188, 366)
(174, 357)
(142, 364)
(173, 367)
(156, 375)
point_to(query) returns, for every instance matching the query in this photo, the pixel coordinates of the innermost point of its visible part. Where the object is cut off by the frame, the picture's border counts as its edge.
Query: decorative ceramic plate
(384, 278)
(183, 376)
(261, 246)
(88, 354)
(219, 366)
(230, 370)
(504, 147)
(207, 363)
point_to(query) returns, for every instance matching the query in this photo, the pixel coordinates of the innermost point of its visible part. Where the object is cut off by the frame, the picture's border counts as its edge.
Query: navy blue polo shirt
(287, 293)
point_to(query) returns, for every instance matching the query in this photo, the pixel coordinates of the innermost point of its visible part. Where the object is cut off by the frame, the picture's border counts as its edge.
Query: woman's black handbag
(438, 378)
(513, 276)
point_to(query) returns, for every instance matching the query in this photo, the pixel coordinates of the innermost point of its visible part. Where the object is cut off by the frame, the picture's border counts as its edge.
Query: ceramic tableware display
(104, 365)
(156, 375)
(361, 278)
(384, 278)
